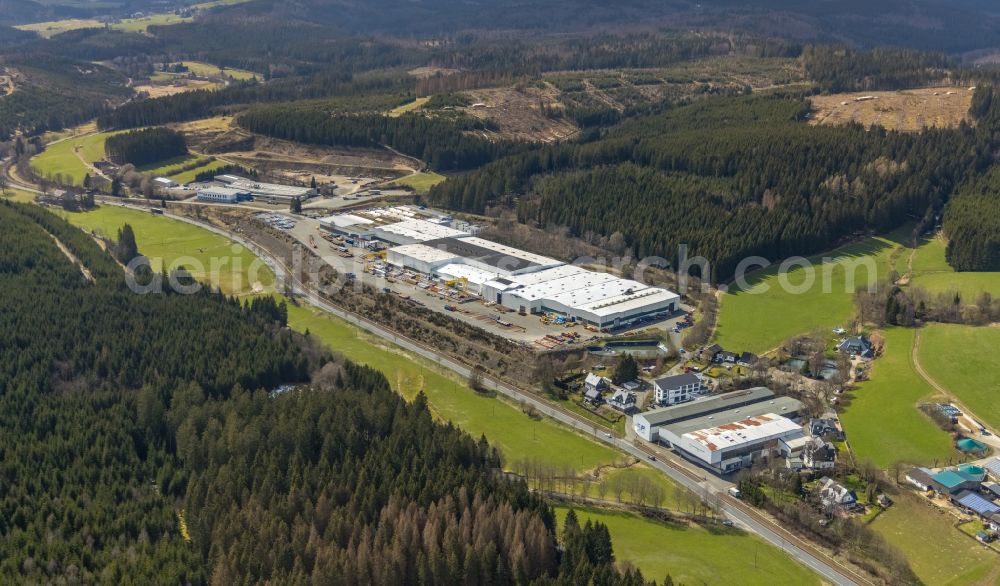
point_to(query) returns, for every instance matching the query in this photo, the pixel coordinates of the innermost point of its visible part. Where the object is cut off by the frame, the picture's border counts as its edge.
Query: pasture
(938, 552)
(413, 106)
(66, 157)
(55, 27)
(903, 110)
(171, 243)
(692, 554)
(504, 425)
(882, 421)
(964, 361)
(931, 271)
(765, 313)
(420, 182)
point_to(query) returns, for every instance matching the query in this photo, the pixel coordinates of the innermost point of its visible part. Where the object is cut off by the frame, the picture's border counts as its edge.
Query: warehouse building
(725, 432)
(517, 279)
(268, 191)
(222, 195)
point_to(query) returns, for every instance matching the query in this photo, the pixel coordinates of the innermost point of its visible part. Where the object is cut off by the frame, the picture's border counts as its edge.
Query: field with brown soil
(518, 112)
(905, 110)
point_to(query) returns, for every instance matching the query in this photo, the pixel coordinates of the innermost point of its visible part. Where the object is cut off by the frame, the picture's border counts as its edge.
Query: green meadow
(692, 554)
(938, 553)
(882, 421)
(964, 360)
(421, 182)
(773, 307)
(63, 157)
(171, 243)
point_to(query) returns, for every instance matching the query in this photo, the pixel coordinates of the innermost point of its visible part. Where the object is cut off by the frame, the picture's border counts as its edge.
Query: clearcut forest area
(515, 293)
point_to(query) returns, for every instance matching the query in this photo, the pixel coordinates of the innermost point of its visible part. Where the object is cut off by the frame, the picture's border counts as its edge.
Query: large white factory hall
(522, 281)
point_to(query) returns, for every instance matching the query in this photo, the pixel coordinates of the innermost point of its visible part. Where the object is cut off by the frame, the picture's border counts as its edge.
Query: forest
(446, 143)
(146, 439)
(690, 177)
(146, 146)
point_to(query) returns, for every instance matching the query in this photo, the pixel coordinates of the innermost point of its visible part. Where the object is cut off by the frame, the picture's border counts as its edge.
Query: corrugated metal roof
(993, 466)
(978, 504)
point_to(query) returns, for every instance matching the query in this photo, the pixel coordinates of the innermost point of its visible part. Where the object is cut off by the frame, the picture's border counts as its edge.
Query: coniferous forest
(142, 441)
(733, 177)
(142, 147)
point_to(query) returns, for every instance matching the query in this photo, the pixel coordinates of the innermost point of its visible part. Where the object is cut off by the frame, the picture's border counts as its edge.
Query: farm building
(671, 390)
(725, 432)
(222, 195)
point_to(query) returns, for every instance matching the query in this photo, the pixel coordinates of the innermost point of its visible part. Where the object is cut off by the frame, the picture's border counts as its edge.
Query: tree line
(144, 147)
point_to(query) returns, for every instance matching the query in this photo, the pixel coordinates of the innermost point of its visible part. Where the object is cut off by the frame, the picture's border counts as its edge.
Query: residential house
(671, 390)
(593, 396)
(819, 455)
(709, 354)
(857, 346)
(728, 357)
(594, 382)
(824, 427)
(835, 496)
(747, 360)
(624, 401)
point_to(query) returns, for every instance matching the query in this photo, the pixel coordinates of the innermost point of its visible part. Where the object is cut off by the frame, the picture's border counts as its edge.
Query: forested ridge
(731, 178)
(141, 442)
(444, 142)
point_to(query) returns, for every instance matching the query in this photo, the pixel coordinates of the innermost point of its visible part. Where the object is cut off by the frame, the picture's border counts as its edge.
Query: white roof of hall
(637, 299)
(549, 274)
(550, 289)
(345, 220)
(513, 252)
(422, 230)
(458, 271)
(745, 431)
(422, 252)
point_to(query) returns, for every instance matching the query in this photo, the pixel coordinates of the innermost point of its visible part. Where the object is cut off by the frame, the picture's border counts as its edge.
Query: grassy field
(201, 69)
(504, 425)
(172, 168)
(882, 421)
(693, 555)
(55, 27)
(905, 110)
(61, 158)
(938, 552)
(409, 107)
(964, 360)
(172, 243)
(762, 316)
(421, 182)
(931, 271)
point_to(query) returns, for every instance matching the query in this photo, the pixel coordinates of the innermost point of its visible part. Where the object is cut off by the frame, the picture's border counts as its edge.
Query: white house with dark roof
(671, 390)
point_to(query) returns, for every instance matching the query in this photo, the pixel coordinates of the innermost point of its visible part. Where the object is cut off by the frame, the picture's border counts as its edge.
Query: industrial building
(222, 195)
(523, 281)
(270, 191)
(165, 182)
(725, 432)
